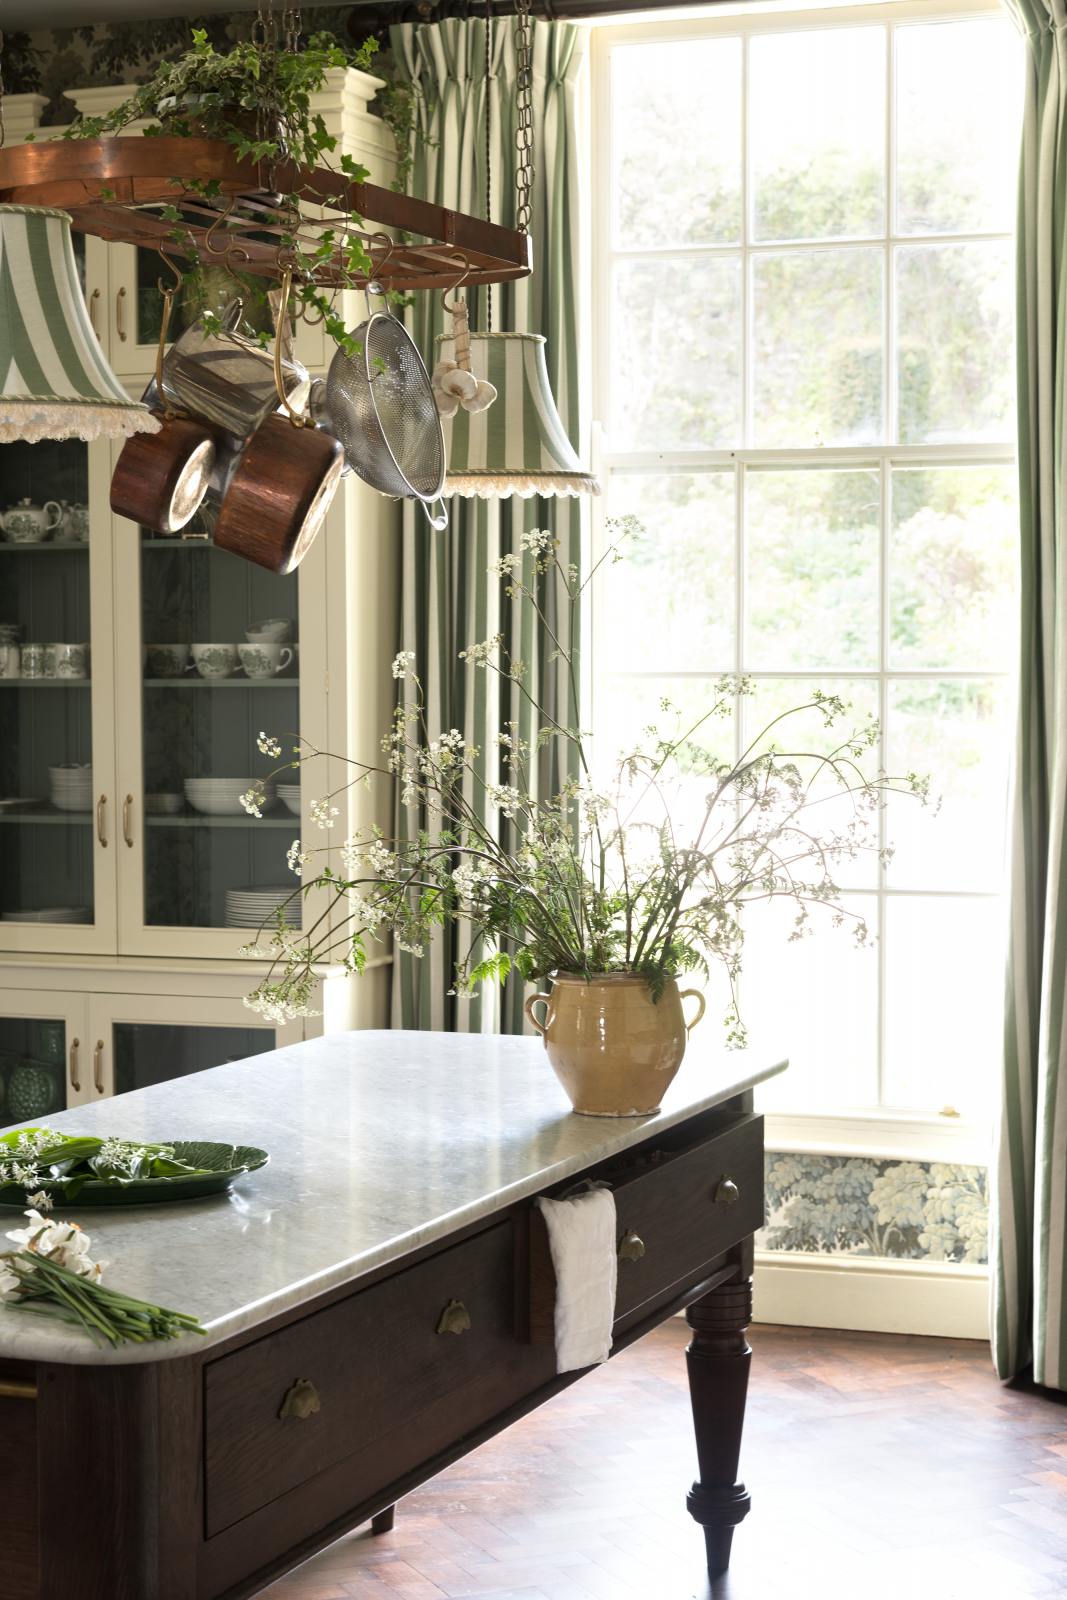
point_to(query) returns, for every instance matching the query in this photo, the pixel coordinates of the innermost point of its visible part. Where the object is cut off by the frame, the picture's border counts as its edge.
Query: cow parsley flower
(254, 800)
(267, 745)
(480, 655)
(323, 813)
(403, 663)
(296, 859)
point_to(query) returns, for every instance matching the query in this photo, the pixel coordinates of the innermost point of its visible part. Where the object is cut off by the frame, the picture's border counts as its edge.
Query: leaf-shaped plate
(225, 1163)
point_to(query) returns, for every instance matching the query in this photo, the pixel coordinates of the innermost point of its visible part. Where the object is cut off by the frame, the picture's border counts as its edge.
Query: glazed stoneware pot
(614, 1049)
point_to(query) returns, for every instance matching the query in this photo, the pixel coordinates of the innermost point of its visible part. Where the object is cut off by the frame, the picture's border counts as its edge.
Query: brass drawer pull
(72, 1058)
(98, 1067)
(455, 1318)
(301, 1400)
(16, 1389)
(101, 825)
(631, 1247)
(93, 301)
(120, 314)
(726, 1192)
(127, 807)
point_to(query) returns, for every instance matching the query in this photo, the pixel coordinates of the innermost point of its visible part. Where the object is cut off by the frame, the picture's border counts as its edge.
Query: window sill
(883, 1136)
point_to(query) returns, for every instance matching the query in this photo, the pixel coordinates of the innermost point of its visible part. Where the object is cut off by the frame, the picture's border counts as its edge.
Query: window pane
(668, 605)
(955, 306)
(958, 121)
(814, 1000)
(944, 988)
(953, 559)
(817, 348)
(676, 354)
(811, 570)
(808, 731)
(676, 143)
(817, 133)
(625, 711)
(957, 733)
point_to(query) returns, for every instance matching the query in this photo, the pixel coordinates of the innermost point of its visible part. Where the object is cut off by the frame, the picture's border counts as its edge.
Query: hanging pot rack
(111, 186)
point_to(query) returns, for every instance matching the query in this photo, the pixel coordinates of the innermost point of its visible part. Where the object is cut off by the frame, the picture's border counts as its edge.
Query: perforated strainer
(381, 407)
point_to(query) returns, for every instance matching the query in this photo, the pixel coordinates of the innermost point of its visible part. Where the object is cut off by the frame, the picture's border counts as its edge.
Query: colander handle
(439, 522)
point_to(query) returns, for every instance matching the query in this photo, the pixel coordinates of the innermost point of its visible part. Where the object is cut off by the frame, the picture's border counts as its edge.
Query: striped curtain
(1030, 1214)
(448, 598)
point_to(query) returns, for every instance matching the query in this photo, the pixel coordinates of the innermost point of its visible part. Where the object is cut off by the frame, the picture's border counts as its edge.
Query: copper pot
(161, 478)
(279, 494)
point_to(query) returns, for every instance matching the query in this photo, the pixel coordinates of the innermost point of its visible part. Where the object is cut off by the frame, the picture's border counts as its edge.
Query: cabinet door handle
(631, 1247)
(98, 1067)
(101, 820)
(455, 1318)
(120, 314)
(72, 1062)
(93, 301)
(127, 808)
(301, 1400)
(726, 1192)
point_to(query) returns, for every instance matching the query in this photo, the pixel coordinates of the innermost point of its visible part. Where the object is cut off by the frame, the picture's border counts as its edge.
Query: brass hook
(455, 305)
(295, 418)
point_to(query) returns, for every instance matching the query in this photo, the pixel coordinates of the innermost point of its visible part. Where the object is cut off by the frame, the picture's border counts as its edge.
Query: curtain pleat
(1029, 1254)
(448, 599)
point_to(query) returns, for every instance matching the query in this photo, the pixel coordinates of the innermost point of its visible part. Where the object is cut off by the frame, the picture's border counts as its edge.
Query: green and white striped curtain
(1030, 1213)
(448, 598)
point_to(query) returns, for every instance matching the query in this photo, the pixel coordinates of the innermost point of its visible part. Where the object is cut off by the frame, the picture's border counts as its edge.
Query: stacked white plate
(71, 788)
(289, 794)
(221, 797)
(250, 908)
(50, 914)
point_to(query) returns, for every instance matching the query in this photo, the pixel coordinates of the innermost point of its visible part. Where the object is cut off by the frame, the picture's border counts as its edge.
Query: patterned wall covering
(850, 1205)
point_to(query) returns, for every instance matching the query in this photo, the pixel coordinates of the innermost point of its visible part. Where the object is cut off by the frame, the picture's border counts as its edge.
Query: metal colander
(381, 407)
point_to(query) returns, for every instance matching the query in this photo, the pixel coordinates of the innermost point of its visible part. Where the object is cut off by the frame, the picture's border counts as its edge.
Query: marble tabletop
(380, 1142)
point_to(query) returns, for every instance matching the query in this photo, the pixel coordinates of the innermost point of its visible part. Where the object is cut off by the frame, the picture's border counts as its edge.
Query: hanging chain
(489, 146)
(524, 172)
(293, 23)
(3, 131)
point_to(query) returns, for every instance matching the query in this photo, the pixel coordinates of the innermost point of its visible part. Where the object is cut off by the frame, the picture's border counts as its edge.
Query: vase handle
(693, 994)
(528, 1009)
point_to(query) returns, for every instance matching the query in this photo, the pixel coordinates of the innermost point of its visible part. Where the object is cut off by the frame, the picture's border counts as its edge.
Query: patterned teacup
(166, 660)
(9, 659)
(276, 630)
(264, 660)
(72, 660)
(33, 661)
(215, 660)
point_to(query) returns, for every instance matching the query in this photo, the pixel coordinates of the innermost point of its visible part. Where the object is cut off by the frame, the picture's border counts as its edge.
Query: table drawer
(681, 1211)
(376, 1362)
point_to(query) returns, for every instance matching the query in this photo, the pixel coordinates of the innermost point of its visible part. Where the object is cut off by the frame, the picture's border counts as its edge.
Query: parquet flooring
(880, 1466)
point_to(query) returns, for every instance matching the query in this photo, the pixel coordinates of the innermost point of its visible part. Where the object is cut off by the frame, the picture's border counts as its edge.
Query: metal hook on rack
(167, 291)
(295, 417)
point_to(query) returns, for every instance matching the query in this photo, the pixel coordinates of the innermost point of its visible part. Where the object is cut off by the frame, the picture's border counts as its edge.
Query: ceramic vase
(612, 1046)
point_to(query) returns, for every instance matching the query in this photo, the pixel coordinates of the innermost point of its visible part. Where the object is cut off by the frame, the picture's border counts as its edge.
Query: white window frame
(919, 1134)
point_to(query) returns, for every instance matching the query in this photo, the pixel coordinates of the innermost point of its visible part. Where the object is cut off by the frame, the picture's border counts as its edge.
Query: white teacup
(215, 660)
(72, 660)
(264, 659)
(279, 630)
(9, 659)
(166, 660)
(33, 661)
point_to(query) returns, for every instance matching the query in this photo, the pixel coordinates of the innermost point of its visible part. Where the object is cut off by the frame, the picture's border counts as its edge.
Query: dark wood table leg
(718, 1359)
(383, 1522)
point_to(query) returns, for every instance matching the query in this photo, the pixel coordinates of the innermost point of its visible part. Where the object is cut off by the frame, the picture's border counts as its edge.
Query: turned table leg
(718, 1359)
(383, 1521)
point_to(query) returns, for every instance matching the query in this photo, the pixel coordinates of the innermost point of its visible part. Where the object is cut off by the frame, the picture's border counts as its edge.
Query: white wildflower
(538, 540)
(61, 1242)
(480, 655)
(507, 567)
(504, 796)
(409, 949)
(41, 1201)
(296, 859)
(403, 663)
(323, 813)
(254, 800)
(267, 745)
(382, 859)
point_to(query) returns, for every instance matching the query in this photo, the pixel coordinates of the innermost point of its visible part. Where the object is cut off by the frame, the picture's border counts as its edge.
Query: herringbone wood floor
(879, 1466)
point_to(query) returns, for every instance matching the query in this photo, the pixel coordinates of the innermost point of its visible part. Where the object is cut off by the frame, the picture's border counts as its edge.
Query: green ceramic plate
(226, 1161)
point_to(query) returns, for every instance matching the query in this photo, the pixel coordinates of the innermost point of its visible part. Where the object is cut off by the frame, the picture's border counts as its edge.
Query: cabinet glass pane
(33, 1053)
(46, 778)
(217, 288)
(208, 690)
(154, 1052)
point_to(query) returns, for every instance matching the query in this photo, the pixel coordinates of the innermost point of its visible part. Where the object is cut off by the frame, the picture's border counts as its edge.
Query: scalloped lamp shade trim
(54, 380)
(519, 444)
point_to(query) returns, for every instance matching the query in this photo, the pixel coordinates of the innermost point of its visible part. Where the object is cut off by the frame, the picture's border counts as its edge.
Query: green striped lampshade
(518, 445)
(54, 380)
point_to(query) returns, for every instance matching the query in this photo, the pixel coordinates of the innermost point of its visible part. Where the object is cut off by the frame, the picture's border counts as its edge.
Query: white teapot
(30, 524)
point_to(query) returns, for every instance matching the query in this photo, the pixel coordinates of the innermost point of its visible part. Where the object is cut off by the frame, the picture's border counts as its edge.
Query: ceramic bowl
(164, 805)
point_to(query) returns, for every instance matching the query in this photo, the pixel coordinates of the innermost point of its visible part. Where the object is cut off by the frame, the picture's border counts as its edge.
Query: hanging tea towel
(581, 1237)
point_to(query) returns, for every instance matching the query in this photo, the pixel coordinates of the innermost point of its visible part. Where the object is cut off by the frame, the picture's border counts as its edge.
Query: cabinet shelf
(222, 683)
(7, 548)
(45, 818)
(45, 683)
(203, 821)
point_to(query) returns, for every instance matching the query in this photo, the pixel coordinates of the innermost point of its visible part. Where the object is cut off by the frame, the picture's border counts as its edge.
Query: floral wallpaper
(849, 1205)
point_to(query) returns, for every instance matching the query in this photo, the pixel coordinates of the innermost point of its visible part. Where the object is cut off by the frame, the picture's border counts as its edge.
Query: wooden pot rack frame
(110, 185)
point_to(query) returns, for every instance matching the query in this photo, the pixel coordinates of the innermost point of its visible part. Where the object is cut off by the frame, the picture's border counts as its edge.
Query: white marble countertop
(380, 1142)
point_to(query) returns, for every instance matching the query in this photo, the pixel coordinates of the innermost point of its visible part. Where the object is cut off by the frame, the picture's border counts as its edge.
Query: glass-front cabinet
(56, 815)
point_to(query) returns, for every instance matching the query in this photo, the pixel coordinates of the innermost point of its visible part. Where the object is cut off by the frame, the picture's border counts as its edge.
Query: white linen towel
(581, 1237)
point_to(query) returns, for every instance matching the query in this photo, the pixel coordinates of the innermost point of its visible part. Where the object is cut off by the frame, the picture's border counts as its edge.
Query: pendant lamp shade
(518, 445)
(54, 380)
